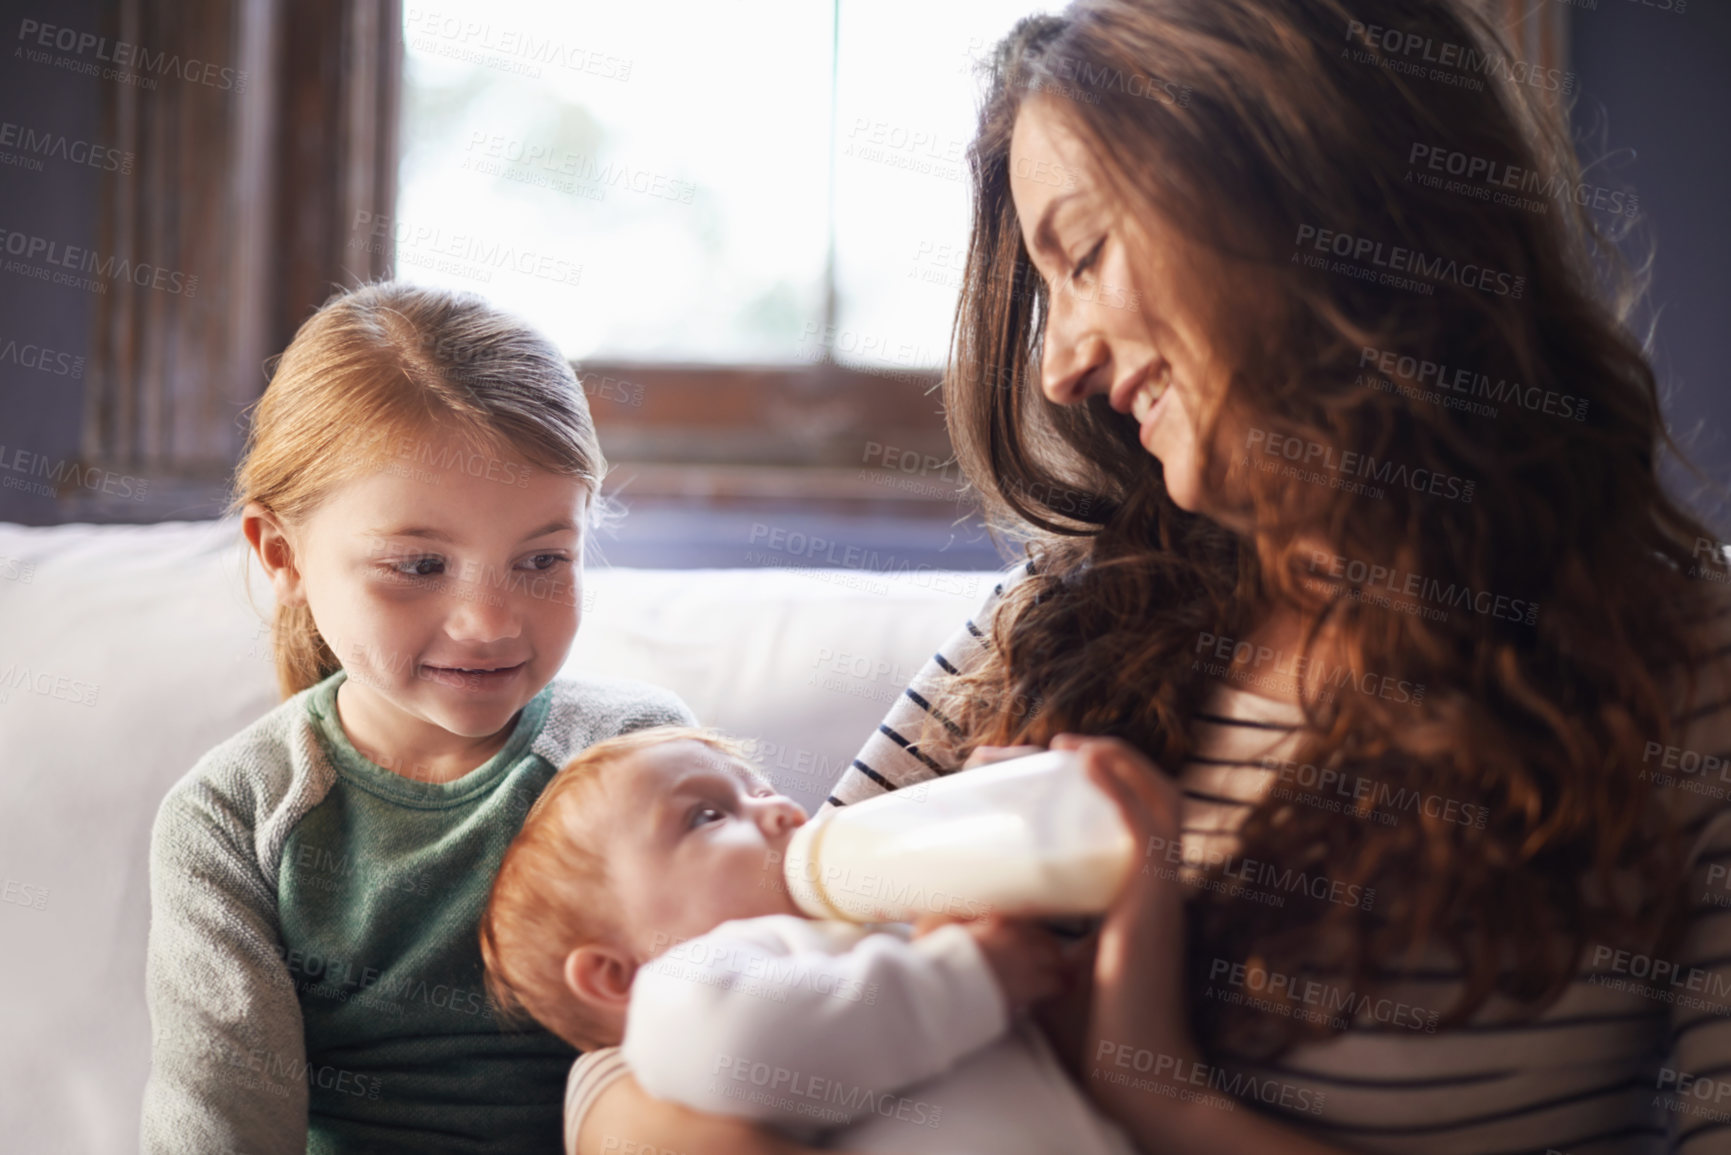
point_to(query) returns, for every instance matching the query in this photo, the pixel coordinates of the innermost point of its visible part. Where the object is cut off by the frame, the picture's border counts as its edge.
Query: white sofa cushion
(128, 651)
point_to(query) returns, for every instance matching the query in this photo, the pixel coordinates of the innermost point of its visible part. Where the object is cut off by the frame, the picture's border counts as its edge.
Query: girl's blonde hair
(393, 369)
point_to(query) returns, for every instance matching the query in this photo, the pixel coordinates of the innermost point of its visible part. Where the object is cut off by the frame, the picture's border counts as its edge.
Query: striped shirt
(1635, 1057)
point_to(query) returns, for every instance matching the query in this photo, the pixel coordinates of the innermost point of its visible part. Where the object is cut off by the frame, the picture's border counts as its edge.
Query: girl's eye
(419, 567)
(703, 815)
(544, 561)
(1088, 259)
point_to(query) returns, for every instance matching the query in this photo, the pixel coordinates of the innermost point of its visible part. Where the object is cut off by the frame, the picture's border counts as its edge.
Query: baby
(641, 914)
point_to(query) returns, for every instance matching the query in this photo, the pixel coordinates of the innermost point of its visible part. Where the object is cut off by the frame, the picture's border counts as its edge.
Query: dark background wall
(40, 412)
(1659, 82)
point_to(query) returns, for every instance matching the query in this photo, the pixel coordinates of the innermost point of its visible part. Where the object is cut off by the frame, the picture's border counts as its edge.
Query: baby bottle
(1025, 837)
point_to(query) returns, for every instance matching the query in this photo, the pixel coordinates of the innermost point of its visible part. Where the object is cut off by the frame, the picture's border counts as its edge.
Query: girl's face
(1126, 302)
(449, 588)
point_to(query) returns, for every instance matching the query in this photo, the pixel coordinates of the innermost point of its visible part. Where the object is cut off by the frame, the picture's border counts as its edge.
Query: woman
(1405, 663)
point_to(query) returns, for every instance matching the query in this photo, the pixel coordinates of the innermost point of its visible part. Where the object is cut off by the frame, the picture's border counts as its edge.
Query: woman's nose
(1068, 362)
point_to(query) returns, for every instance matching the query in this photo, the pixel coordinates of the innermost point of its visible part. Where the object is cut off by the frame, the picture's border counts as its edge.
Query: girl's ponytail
(302, 656)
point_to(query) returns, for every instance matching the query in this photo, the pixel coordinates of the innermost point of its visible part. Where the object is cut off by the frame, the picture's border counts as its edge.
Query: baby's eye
(703, 815)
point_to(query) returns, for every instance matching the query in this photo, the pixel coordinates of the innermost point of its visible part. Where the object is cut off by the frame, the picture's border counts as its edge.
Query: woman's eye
(1088, 259)
(544, 561)
(703, 815)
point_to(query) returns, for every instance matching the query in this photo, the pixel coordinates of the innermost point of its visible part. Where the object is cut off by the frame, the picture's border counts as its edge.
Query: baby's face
(692, 840)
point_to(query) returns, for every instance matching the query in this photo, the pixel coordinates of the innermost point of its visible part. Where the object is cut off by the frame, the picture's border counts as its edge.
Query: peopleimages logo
(1500, 181)
(1243, 662)
(1455, 62)
(1275, 881)
(1352, 463)
(59, 146)
(1339, 1005)
(500, 155)
(127, 57)
(19, 466)
(28, 355)
(1429, 375)
(802, 1093)
(1399, 259)
(1381, 797)
(1458, 595)
(55, 256)
(1168, 1070)
(521, 50)
(464, 254)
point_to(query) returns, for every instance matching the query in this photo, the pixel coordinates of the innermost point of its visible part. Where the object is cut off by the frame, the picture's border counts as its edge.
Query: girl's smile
(451, 601)
(473, 678)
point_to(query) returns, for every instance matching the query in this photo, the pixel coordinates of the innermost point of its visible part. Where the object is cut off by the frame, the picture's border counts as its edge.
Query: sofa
(127, 651)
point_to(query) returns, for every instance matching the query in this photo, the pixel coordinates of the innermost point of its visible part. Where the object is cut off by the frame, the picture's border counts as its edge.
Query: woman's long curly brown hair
(1241, 124)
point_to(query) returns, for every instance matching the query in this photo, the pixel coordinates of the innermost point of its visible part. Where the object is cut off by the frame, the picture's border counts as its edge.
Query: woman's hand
(1139, 1033)
(1138, 1022)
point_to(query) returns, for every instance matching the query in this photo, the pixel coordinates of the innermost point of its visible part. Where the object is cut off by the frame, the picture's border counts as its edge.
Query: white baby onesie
(846, 1036)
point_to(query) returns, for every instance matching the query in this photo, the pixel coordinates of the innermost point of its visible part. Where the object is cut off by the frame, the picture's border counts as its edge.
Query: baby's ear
(600, 976)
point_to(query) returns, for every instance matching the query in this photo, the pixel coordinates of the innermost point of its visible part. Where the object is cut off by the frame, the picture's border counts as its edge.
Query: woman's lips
(1147, 412)
(471, 679)
(1122, 395)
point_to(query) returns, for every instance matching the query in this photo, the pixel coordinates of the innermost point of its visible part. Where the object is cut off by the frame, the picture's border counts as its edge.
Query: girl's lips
(472, 679)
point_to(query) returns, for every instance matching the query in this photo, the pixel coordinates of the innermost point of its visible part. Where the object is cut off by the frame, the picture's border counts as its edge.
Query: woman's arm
(625, 1118)
(1139, 1025)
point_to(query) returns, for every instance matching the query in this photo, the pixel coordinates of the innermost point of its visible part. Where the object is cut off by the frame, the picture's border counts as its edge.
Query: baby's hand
(1026, 960)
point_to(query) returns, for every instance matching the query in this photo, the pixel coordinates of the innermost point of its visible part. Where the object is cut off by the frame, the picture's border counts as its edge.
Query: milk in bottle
(1028, 836)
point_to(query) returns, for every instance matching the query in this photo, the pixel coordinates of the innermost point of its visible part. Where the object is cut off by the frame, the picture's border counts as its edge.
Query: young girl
(416, 485)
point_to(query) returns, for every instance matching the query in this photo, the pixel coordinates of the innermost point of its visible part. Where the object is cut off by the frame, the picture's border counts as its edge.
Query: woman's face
(1126, 307)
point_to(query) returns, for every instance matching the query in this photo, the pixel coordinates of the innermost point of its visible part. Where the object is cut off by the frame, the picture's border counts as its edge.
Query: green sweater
(314, 975)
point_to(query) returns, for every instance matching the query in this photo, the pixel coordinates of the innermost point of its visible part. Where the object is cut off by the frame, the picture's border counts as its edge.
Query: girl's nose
(481, 613)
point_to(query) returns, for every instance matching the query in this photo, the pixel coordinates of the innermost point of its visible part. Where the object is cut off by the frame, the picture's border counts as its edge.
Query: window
(745, 219)
(755, 182)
